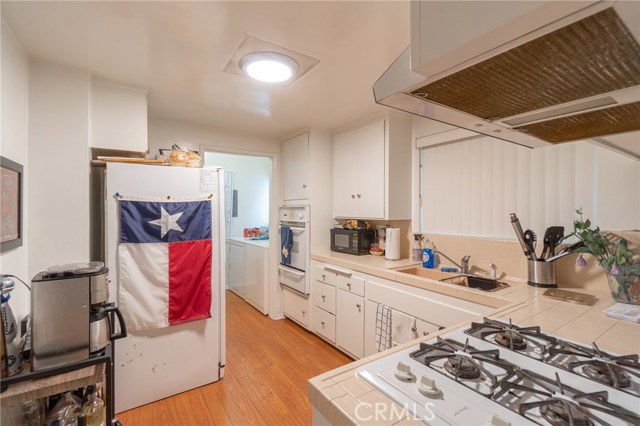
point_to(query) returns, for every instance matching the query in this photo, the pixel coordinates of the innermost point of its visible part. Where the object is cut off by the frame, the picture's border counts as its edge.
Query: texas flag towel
(164, 262)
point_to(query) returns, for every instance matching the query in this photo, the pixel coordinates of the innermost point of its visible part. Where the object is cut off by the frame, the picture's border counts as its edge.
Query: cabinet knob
(324, 277)
(359, 306)
(424, 333)
(304, 312)
(353, 196)
(358, 195)
(349, 285)
(304, 186)
(322, 322)
(324, 298)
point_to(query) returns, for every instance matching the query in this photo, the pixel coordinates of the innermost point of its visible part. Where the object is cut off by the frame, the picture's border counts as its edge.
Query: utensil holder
(542, 274)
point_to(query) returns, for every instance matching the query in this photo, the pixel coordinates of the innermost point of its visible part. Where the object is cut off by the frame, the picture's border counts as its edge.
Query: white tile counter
(336, 394)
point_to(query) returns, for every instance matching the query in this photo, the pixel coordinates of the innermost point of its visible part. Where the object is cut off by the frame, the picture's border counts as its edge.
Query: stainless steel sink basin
(432, 274)
(472, 281)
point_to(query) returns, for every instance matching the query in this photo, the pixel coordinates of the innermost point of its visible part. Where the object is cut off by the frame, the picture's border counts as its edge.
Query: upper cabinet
(306, 179)
(118, 117)
(295, 154)
(372, 170)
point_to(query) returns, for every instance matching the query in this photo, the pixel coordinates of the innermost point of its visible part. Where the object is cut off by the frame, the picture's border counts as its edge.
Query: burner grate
(615, 371)
(465, 364)
(528, 340)
(559, 404)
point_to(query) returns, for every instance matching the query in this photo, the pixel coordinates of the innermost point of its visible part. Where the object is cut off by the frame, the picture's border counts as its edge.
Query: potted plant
(621, 265)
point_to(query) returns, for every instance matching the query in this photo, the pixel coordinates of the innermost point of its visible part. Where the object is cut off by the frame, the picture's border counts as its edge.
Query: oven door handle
(291, 271)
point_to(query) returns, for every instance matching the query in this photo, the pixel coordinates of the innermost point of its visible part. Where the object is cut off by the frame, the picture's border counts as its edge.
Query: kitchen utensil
(566, 251)
(530, 239)
(515, 222)
(555, 236)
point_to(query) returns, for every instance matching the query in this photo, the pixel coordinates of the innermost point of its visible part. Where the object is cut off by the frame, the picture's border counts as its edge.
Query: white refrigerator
(154, 364)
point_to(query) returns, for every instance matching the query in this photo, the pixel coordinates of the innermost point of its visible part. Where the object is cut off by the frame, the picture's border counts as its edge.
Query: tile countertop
(335, 394)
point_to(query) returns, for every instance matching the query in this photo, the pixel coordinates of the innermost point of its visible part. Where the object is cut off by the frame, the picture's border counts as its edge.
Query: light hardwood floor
(265, 382)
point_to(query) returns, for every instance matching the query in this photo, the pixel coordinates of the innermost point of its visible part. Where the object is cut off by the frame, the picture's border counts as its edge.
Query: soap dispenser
(416, 251)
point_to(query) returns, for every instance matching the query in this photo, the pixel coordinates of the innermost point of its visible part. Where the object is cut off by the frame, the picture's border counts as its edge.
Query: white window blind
(470, 187)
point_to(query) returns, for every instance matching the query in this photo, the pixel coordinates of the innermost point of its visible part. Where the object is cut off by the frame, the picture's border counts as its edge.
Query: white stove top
(430, 394)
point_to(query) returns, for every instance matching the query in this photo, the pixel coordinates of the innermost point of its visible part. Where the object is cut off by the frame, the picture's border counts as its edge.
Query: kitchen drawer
(324, 296)
(351, 284)
(296, 307)
(324, 276)
(425, 328)
(324, 324)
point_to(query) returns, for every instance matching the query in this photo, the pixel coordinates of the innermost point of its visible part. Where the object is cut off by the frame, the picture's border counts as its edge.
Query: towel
(383, 327)
(403, 328)
(286, 242)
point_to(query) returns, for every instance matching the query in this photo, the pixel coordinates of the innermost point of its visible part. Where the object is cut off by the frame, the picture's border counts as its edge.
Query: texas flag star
(167, 222)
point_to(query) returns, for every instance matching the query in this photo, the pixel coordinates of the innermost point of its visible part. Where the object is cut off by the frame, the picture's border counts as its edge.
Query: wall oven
(294, 236)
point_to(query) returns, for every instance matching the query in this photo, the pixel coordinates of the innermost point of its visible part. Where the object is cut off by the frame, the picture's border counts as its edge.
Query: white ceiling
(178, 50)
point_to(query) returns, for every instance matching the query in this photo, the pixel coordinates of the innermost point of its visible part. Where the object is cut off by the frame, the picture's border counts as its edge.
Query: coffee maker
(71, 318)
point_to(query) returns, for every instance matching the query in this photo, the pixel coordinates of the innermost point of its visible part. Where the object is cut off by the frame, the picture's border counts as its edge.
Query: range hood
(537, 73)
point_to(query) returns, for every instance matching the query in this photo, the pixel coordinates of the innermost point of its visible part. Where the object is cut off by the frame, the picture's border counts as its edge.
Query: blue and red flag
(165, 258)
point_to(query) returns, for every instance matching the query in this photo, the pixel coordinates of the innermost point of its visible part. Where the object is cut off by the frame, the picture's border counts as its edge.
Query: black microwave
(352, 241)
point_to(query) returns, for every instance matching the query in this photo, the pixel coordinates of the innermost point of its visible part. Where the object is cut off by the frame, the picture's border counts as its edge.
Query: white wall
(14, 146)
(251, 178)
(59, 99)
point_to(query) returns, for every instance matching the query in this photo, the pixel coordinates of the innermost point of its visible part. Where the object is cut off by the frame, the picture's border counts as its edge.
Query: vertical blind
(470, 187)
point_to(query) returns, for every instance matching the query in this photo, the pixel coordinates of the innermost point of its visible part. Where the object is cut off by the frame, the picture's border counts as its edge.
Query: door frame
(274, 307)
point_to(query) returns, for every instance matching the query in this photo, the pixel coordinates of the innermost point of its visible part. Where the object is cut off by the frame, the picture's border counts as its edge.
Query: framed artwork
(10, 204)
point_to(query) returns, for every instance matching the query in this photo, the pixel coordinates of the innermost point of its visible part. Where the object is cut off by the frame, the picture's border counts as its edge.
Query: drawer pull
(304, 186)
(324, 298)
(322, 322)
(303, 312)
(353, 196)
(349, 285)
(324, 277)
(359, 196)
(359, 306)
(424, 333)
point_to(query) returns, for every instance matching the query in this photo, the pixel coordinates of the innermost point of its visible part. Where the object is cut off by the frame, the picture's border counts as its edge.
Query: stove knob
(496, 421)
(428, 387)
(403, 372)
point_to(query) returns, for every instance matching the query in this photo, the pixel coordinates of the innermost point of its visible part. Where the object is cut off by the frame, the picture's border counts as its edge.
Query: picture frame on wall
(10, 205)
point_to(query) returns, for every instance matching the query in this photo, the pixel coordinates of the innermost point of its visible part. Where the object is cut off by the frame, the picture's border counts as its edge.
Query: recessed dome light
(269, 67)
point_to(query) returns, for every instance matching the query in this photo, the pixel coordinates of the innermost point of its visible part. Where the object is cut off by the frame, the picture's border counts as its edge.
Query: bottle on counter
(427, 255)
(82, 420)
(94, 408)
(416, 251)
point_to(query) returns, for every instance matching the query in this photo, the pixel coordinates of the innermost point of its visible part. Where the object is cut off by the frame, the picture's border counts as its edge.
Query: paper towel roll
(392, 244)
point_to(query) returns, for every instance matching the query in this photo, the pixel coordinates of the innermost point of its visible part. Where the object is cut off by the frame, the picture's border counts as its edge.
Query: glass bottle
(94, 408)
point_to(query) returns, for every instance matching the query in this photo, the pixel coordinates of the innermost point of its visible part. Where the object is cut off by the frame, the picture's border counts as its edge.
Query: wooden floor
(265, 382)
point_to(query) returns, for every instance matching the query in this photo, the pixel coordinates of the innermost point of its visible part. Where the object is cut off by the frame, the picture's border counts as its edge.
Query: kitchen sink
(472, 281)
(432, 274)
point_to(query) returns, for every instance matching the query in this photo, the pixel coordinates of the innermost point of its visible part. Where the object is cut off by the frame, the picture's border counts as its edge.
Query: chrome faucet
(464, 268)
(465, 264)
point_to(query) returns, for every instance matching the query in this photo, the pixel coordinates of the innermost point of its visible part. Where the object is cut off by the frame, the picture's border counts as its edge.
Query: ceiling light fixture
(269, 67)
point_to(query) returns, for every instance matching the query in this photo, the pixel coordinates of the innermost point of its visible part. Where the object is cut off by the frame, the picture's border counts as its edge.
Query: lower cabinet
(296, 307)
(350, 323)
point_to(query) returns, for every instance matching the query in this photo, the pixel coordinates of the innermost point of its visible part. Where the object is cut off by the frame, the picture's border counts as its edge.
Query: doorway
(248, 199)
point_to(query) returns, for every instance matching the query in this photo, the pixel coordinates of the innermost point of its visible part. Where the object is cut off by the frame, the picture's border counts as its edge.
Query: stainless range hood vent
(584, 76)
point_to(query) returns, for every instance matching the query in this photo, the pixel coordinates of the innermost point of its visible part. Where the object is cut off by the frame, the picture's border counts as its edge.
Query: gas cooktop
(497, 373)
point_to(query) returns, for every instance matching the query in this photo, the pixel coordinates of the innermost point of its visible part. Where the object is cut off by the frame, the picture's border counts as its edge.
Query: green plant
(612, 253)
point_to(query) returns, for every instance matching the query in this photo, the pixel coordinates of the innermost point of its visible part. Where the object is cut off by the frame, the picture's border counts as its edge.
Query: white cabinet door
(296, 307)
(359, 172)
(350, 323)
(236, 268)
(118, 117)
(255, 276)
(295, 155)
